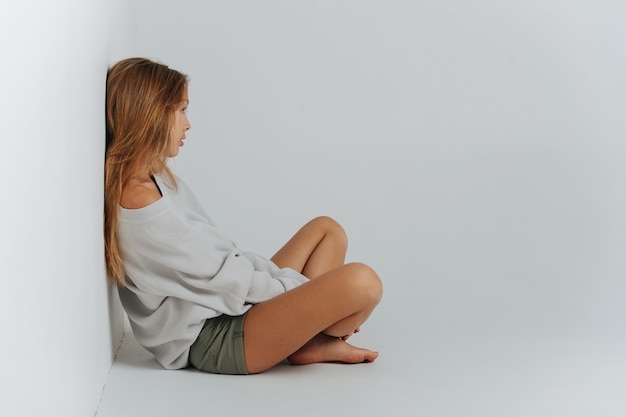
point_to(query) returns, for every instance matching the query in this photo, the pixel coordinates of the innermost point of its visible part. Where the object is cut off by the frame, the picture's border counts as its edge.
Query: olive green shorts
(219, 346)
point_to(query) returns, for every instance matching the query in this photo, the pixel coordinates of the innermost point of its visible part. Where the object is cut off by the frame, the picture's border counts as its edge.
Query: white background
(472, 150)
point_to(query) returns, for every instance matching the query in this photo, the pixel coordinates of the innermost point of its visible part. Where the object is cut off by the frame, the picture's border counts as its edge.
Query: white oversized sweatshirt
(180, 271)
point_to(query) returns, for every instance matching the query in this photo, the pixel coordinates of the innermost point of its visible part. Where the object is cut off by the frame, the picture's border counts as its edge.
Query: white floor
(431, 366)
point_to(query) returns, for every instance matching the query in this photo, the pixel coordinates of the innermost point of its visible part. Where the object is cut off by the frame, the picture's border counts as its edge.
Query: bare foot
(323, 348)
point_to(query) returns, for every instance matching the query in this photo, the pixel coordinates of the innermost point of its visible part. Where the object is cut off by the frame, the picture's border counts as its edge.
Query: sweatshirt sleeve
(287, 277)
(180, 256)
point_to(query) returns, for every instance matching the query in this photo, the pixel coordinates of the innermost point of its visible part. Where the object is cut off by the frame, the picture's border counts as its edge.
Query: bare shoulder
(139, 194)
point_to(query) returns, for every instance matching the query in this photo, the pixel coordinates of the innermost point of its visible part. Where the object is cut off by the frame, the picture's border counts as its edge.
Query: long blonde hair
(141, 96)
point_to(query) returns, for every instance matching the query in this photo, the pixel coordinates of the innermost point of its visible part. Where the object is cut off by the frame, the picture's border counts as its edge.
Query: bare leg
(304, 324)
(318, 247)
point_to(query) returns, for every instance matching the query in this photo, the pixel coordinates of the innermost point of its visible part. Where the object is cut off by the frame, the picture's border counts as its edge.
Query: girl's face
(180, 126)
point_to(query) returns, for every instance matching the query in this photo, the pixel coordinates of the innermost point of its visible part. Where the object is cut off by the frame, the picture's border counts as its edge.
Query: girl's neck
(140, 176)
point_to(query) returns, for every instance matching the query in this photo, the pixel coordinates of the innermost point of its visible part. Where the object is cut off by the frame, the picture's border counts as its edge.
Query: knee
(365, 282)
(332, 229)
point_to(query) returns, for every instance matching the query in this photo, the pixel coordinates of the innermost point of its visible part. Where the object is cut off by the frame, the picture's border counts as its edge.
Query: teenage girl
(191, 295)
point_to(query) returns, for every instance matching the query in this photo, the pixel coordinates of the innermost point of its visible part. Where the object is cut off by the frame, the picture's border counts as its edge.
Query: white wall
(58, 333)
(473, 150)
